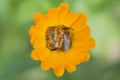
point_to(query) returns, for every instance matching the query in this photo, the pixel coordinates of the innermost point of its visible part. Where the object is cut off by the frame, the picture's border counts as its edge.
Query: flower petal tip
(59, 71)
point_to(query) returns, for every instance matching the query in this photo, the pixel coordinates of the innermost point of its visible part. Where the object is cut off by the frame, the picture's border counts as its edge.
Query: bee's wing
(66, 43)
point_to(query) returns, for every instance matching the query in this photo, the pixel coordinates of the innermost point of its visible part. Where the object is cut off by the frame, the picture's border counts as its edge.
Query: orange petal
(38, 43)
(59, 71)
(61, 59)
(44, 23)
(63, 10)
(35, 31)
(35, 55)
(86, 57)
(91, 43)
(77, 51)
(83, 35)
(53, 16)
(80, 46)
(37, 37)
(44, 53)
(41, 54)
(63, 6)
(80, 23)
(52, 60)
(70, 19)
(70, 68)
(44, 66)
(74, 57)
(37, 17)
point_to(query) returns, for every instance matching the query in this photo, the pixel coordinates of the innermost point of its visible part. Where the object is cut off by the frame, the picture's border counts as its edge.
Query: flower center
(59, 38)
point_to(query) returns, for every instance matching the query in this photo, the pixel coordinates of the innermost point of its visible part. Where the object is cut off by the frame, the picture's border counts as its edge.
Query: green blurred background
(16, 19)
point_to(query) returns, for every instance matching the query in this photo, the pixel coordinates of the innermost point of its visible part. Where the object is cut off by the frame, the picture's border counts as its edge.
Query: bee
(67, 38)
(59, 38)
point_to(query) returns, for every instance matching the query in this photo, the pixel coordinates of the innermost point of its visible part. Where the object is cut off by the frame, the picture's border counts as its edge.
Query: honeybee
(59, 38)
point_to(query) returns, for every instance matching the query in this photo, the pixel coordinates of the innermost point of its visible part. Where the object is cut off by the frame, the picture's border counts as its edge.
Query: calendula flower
(61, 39)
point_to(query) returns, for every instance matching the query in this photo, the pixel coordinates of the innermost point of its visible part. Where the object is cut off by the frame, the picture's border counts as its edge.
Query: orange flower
(61, 39)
